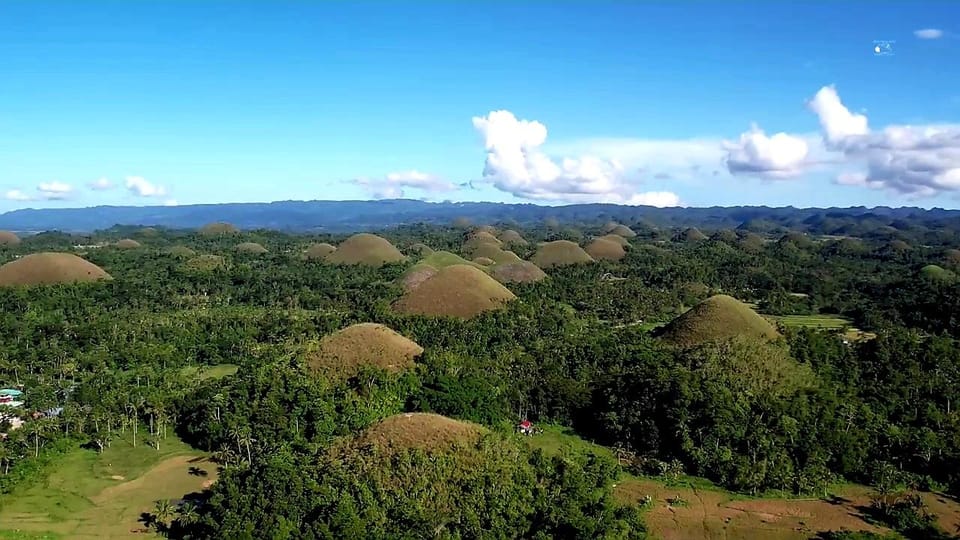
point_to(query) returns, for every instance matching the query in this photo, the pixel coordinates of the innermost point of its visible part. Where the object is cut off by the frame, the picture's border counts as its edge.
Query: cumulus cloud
(517, 163)
(100, 184)
(17, 195)
(919, 161)
(779, 156)
(928, 33)
(392, 185)
(140, 187)
(171, 202)
(54, 190)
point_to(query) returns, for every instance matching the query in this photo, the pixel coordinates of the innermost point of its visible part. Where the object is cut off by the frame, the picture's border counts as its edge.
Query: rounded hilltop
(50, 268)
(459, 290)
(511, 237)
(218, 228)
(344, 353)
(476, 240)
(719, 317)
(616, 238)
(8, 238)
(560, 253)
(606, 250)
(622, 231)
(422, 431)
(416, 275)
(251, 248)
(691, 234)
(517, 272)
(366, 250)
(318, 251)
(205, 263)
(181, 251)
(933, 272)
(127, 243)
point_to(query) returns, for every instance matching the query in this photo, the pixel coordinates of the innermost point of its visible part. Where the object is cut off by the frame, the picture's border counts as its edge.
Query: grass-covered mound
(511, 237)
(751, 243)
(489, 229)
(489, 251)
(344, 353)
(366, 249)
(459, 290)
(606, 250)
(180, 252)
(420, 249)
(482, 261)
(717, 318)
(443, 259)
(896, 246)
(251, 248)
(49, 269)
(615, 238)
(517, 272)
(691, 234)
(127, 243)
(431, 433)
(506, 257)
(204, 263)
(952, 257)
(7, 238)
(416, 275)
(479, 239)
(934, 272)
(727, 236)
(560, 253)
(148, 232)
(318, 251)
(622, 230)
(218, 228)
(798, 240)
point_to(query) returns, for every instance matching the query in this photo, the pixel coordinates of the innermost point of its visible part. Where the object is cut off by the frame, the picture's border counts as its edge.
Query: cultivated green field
(209, 372)
(91, 495)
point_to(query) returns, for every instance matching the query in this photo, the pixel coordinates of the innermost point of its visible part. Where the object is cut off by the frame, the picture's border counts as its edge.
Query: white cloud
(919, 161)
(140, 187)
(101, 184)
(54, 190)
(779, 156)
(928, 33)
(171, 202)
(392, 185)
(17, 195)
(660, 199)
(517, 163)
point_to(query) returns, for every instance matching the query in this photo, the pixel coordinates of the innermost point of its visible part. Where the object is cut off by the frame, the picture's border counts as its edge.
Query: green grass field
(825, 322)
(91, 495)
(209, 372)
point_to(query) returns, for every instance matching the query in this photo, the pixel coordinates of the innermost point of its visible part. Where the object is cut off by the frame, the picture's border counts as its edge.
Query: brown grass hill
(416, 275)
(506, 257)
(727, 236)
(691, 234)
(932, 272)
(798, 240)
(719, 317)
(127, 243)
(428, 432)
(479, 239)
(489, 229)
(517, 272)
(482, 261)
(489, 251)
(443, 259)
(147, 231)
(318, 251)
(181, 252)
(897, 246)
(511, 237)
(609, 226)
(366, 249)
(560, 253)
(606, 250)
(342, 354)
(250, 248)
(459, 290)
(50, 268)
(461, 223)
(751, 243)
(205, 263)
(623, 230)
(420, 249)
(7, 238)
(615, 238)
(952, 257)
(218, 228)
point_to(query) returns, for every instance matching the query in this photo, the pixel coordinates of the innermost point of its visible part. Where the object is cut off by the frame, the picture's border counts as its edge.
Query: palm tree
(187, 514)
(163, 511)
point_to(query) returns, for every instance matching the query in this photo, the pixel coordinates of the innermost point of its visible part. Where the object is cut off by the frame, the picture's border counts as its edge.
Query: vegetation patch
(49, 269)
(936, 273)
(717, 318)
(181, 252)
(457, 291)
(205, 263)
(344, 353)
(367, 250)
(560, 253)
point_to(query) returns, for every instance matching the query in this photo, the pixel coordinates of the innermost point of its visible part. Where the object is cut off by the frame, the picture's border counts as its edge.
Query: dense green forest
(579, 348)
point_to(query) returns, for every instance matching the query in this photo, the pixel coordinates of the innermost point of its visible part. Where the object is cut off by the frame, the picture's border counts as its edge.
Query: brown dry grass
(147, 231)
(898, 245)
(420, 249)
(318, 251)
(489, 229)
(511, 237)
(622, 230)
(490, 251)
(751, 243)
(50, 268)
(608, 250)
(475, 241)
(952, 257)
(344, 353)
(218, 228)
(560, 253)
(424, 431)
(7, 238)
(482, 261)
(366, 249)
(518, 272)
(252, 248)
(416, 276)
(615, 238)
(506, 257)
(691, 234)
(455, 291)
(181, 251)
(716, 318)
(127, 243)
(727, 236)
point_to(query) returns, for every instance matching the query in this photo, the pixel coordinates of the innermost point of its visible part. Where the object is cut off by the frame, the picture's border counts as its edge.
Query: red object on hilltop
(526, 424)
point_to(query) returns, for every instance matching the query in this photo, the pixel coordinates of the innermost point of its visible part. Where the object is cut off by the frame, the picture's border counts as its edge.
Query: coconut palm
(162, 512)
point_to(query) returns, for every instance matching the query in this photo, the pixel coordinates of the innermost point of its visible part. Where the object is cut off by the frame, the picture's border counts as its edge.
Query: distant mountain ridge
(345, 216)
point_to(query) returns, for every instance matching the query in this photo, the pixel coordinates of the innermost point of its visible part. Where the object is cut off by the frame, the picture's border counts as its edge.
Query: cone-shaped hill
(127, 243)
(691, 234)
(49, 269)
(933, 272)
(459, 290)
(560, 253)
(7, 238)
(181, 251)
(479, 239)
(365, 249)
(489, 229)
(318, 251)
(416, 275)
(615, 238)
(443, 259)
(607, 250)
(423, 431)
(420, 249)
(727, 236)
(622, 230)
(719, 317)
(251, 248)
(511, 237)
(344, 353)
(218, 228)
(482, 261)
(204, 263)
(952, 257)
(517, 272)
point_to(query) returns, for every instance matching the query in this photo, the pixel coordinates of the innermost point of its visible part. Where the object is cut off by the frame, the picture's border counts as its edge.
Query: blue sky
(633, 102)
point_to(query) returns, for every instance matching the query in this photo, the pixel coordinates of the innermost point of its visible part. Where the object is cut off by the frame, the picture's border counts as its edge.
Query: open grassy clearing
(825, 322)
(209, 372)
(90, 495)
(710, 512)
